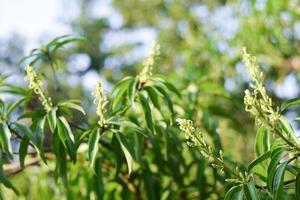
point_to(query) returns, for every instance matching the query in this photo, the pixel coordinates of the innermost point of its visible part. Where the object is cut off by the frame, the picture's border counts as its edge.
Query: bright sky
(31, 18)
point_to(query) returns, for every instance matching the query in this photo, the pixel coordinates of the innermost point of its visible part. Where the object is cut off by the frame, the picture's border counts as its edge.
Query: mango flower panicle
(101, 102)
(148, 63)
(35, 84)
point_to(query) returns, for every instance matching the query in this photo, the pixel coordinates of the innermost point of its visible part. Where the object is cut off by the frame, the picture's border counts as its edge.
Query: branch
(261, 187)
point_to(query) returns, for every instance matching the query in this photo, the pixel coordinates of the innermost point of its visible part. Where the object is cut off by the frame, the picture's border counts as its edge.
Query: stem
(261, 187)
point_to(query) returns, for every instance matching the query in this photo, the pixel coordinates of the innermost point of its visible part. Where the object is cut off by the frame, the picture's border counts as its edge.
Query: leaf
(23, 150)
(276, 156)
(250, 191)
(98, 181)
(167, 99)
(37, 138)
(5, 139)
(153, 94)
(71, 105)
(297, 189)
(13, 89)
(259, 160)
(93, 146)
(62, 163)
(235, 193)
(278, 181)
(126, 150)
(132, 89)
(171, 87)
(147, 112)
(121, 84)
(13, 106)
(3, 179)
(52, 120)
(262, 142)
(119, 96)
(287, 128)
(289, 103)
(66, 137)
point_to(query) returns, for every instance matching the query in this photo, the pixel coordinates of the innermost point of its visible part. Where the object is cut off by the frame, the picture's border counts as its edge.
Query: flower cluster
(101, 101)
(257, 102)
(241, 178)
(195, 138)
(148, 63)
(35, 84)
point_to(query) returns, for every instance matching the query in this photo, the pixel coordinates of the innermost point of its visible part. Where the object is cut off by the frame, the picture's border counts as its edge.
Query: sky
(36, 19)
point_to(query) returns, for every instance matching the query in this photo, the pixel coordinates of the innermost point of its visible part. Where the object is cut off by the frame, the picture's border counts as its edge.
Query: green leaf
(126, 150)
(93, 146)
(132, 89)
(167, 99)
(235, 193)
(66, 137)
(5, 139)
(23, 150)
(278, 181)
(147, 112)
(160, 81)
(13, 89)
(289, 103)
(98, 181)
(71, 105)
(52, 119)
(119, 97)
(259, 160)
(297, 189)
(3, 179)
(37, 138)
(121, 84)
(250, 191)
(13, 106)
(153, 94)
(276, 156)
(287, 128)
(262, 142)
(62, 163)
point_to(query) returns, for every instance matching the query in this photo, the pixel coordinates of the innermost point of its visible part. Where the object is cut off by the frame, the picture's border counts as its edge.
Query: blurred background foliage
(201, 45)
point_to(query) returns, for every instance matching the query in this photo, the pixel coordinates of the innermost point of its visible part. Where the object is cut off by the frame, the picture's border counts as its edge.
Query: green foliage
(129, 147)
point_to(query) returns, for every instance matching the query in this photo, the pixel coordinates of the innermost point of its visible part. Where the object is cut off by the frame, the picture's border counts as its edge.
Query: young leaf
(93, 146)
(235, 193)
(289, 103)
(126, 150)
(5, 139)
(278, 181)
(52, 119)
(147, 112)
(250, 191)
